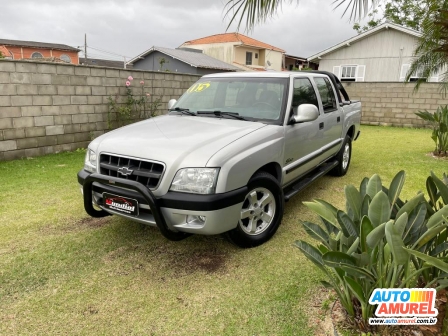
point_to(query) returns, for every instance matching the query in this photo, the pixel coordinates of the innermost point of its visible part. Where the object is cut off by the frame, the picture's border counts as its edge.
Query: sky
(129, 27)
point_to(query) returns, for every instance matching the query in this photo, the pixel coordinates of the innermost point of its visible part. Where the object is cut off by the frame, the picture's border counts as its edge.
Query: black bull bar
(133, 185)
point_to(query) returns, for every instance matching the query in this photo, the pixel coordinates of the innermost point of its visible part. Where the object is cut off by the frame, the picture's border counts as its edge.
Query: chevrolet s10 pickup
(226, 156)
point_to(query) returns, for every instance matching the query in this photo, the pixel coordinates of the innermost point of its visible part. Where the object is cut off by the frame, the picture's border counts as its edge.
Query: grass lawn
(62, 272)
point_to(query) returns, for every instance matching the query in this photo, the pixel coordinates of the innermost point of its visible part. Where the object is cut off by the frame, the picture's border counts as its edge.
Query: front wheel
(261, 212)
(344, 157)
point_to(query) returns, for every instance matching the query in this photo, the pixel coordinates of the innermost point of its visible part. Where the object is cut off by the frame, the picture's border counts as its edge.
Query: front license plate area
(120, 204)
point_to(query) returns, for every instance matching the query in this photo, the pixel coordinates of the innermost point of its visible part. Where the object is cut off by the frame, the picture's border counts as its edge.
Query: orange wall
(26, 52)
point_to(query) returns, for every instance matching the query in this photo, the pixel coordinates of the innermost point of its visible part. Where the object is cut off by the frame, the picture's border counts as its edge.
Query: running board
(305, 181)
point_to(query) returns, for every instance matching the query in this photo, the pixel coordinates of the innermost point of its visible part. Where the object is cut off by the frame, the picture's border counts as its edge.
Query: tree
(372, 23)
(1, 55)
(253, 12)
(408, 13)
(431, 54)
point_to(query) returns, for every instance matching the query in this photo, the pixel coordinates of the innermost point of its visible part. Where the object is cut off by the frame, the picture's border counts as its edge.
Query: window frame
(352, 78)
(35, 53)
(69, 58)
(334, 94)
(414, 77)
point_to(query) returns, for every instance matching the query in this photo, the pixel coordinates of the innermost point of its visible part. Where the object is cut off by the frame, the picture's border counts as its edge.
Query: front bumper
(174, 212)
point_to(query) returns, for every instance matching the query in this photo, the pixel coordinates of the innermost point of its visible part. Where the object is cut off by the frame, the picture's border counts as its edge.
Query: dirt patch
(209, 261)
(437, 156)
(90, 310)
(90, 222)
(319, 312)
(172, 256)
(81, 224)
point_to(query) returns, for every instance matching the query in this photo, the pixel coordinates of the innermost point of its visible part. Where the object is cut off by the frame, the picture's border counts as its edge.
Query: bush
(132, 108)
(439, 122)
(379, 241)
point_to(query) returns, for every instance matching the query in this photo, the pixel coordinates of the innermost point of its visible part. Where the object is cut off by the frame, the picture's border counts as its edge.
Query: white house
(381, 54)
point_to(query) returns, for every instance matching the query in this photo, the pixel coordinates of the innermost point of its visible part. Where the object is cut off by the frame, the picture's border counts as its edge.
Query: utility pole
(85, 48)
(124, 58)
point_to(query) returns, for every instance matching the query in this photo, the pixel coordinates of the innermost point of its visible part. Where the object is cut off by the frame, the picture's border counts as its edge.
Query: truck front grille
(148, 173)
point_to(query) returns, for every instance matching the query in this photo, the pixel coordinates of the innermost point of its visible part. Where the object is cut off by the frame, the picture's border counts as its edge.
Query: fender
(241, 159)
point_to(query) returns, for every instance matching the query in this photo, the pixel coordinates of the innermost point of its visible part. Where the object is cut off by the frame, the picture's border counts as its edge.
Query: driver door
(302, 140)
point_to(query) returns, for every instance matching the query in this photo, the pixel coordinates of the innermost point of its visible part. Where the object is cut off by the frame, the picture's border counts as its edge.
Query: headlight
(90, 161)
(195, 180)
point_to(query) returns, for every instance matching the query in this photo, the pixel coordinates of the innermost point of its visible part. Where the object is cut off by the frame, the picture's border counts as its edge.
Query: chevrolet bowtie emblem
(125, 171)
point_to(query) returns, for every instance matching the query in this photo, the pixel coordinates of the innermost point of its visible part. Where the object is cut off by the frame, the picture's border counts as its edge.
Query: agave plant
(439, 122)
(364, 247)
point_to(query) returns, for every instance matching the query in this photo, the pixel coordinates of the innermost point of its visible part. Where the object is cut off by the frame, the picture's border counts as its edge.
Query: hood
(176, 140)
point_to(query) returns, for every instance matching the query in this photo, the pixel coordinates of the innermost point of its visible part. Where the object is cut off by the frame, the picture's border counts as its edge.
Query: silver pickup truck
(226, 157)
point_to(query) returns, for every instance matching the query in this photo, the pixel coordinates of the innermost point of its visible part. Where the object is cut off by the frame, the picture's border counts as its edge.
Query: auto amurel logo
(393, 305)
(125, 171)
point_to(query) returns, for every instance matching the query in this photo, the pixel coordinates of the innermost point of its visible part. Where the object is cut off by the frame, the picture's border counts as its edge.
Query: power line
(108, 52)
(109, 57)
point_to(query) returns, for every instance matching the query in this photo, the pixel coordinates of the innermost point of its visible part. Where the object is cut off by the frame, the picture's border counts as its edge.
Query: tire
(259, 223)
(344, 157)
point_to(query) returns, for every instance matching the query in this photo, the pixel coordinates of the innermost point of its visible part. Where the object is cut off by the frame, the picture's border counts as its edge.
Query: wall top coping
(97, 67)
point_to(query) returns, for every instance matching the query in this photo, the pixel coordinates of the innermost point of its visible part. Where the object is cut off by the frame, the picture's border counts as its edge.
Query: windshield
(255, 99)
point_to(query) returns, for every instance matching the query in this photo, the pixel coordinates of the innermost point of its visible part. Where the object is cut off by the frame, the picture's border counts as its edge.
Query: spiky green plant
(367, 245)
(439, 123)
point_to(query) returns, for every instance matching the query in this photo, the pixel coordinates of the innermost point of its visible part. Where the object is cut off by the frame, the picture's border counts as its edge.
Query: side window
(304, 93)
(326, 94)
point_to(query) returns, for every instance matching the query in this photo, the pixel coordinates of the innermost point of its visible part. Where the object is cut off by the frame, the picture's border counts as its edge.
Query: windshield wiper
(183, 110)
(221, 113)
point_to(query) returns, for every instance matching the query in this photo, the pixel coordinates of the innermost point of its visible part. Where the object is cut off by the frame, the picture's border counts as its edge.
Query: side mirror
(171, 103)
(304, 113)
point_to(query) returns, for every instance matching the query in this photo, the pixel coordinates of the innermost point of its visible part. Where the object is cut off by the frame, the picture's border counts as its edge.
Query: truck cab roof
(259, 74)
(340, 90)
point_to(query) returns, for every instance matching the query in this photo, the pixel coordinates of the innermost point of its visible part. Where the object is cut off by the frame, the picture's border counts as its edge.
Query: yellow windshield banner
(199, 87)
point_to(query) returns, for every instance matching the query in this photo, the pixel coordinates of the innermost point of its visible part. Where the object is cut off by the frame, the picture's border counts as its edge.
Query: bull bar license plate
(120, 204)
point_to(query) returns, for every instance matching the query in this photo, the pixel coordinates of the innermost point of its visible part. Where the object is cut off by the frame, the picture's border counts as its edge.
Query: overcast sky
(129, 27)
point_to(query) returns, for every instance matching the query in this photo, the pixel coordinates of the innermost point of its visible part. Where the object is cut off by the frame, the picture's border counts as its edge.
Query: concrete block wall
(47, 108)
(395, 104)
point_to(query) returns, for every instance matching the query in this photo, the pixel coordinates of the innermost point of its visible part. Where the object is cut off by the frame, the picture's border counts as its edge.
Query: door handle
(321, 125)
(338, 119)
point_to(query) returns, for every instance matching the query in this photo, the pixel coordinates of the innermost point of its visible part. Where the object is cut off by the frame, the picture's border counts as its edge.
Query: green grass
(64, 273)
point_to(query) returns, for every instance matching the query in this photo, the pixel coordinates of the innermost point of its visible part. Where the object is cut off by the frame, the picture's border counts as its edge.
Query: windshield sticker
(199, 87)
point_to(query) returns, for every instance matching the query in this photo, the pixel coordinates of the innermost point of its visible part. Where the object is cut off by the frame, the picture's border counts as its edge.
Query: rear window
(326, 94)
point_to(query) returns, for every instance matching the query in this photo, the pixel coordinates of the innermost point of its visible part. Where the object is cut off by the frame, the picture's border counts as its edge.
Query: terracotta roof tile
(233, 37)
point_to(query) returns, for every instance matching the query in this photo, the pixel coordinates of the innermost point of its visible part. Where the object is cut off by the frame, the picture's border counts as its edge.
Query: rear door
(331, 120)
(303, 141)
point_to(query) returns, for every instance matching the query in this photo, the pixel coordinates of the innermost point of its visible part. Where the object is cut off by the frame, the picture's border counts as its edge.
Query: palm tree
(431, 54)
(252, 12)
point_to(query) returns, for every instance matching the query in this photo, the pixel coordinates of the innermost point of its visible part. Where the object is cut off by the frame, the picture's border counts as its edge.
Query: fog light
(196, 220)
